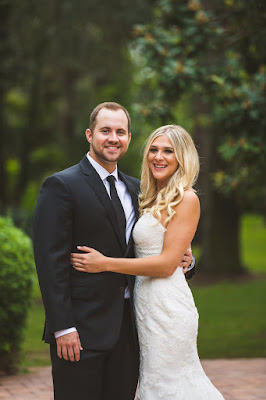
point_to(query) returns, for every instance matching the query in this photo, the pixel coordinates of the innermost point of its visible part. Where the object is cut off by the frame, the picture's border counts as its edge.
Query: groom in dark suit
(89, 317)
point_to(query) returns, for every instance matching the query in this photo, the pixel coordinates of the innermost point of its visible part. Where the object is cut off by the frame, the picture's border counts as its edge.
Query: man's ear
(88, 134)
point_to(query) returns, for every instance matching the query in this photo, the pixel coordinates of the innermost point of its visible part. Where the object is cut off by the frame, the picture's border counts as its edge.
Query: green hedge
(16, 278)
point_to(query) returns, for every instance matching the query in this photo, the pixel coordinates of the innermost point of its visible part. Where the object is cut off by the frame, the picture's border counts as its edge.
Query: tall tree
(6, 66)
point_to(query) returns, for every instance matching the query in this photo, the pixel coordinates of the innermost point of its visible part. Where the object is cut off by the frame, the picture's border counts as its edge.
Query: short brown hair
(110, 106)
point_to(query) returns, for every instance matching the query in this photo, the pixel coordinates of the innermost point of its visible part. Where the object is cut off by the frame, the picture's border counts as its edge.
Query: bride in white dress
(167, 319)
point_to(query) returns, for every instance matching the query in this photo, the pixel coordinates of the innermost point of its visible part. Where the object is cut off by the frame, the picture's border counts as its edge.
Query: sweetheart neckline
(158, 222)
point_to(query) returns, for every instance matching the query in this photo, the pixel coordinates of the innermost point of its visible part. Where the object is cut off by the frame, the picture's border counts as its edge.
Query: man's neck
(109, 167)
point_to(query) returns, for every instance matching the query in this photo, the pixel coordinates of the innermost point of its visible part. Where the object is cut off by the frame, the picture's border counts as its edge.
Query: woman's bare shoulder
(189, 202)
(187, 214)
(190, 196)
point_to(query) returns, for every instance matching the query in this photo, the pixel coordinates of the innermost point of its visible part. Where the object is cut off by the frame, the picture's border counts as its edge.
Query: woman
(166, 315)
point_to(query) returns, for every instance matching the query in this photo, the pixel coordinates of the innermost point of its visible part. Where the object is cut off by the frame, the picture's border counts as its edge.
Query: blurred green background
(195, 63)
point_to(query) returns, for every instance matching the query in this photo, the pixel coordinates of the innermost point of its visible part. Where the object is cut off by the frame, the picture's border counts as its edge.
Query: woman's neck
(160, 186)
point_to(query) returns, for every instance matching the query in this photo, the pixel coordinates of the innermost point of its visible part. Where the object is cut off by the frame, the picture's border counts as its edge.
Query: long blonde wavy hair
(183, 178)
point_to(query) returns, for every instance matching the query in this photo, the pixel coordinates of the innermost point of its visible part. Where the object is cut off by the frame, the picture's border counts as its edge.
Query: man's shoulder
(66, 173)
(130, 179)
(62, 178)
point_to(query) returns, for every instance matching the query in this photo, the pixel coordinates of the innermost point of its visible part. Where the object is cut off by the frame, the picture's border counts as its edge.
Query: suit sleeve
(52, 238)
(191, 269)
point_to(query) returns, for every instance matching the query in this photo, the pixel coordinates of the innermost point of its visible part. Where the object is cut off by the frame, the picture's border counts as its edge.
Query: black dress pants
(100, 375)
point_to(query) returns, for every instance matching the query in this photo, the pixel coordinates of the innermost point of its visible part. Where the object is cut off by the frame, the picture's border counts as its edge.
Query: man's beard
(102, 156)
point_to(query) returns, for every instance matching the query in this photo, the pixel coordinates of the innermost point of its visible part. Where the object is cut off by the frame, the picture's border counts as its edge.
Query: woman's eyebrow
(166, 147)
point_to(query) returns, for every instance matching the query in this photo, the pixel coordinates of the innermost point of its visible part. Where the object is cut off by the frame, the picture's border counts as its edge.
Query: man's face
(110, 138)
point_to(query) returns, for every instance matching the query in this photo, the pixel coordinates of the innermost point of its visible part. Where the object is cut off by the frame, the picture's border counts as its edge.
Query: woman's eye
(153, 150)
(169, 151)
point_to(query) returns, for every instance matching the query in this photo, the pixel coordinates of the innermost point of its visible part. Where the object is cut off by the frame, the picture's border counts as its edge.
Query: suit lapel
(95, 182)
(132, 190)
(134, 196)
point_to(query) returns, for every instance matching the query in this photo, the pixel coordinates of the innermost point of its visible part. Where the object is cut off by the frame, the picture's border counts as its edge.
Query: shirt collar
(102, 172)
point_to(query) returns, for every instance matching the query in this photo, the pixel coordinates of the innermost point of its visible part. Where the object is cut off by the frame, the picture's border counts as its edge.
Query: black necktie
(120, 215)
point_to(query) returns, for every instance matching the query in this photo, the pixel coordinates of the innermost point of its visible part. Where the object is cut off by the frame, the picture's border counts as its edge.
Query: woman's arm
(180, 232)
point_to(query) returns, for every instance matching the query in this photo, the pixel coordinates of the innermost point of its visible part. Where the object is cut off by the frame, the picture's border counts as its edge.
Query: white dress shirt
(127, 205)
(122, 192)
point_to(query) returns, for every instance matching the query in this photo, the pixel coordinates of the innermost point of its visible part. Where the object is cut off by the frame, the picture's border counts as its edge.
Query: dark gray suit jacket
(73, 208)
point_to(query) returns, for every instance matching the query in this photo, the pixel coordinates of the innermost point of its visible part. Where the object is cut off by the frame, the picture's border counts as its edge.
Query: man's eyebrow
(108, 127)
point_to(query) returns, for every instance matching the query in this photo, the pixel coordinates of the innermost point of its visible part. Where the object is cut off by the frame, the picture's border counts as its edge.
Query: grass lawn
(34, 351)
(253, 242)
(232, 322)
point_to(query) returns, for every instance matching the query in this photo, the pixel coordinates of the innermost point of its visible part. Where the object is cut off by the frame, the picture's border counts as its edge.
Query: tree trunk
(5, 56)
(218, 231)
(29, 133)
(3, 180)
(220, 236)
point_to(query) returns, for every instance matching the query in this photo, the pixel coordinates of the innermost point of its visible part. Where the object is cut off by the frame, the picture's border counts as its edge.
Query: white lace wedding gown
(167, 322)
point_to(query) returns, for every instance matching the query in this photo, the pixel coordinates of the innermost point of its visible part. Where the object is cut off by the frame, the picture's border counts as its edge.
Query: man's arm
(52, 247)
(191, 269)
(188, 263)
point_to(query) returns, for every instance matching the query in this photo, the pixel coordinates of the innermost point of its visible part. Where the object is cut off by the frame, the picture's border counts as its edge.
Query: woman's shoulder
(191, 196)
(189, 202)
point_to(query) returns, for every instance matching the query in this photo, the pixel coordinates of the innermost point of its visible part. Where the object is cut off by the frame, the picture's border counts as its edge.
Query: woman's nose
(159, 155)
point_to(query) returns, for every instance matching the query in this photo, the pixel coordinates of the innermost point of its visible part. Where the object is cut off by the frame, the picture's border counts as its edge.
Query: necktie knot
(111, 180)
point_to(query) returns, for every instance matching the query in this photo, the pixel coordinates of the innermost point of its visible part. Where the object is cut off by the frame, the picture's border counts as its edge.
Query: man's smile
(112, 148)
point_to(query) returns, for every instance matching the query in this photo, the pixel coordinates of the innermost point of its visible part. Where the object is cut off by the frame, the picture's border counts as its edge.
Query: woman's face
(162, 160)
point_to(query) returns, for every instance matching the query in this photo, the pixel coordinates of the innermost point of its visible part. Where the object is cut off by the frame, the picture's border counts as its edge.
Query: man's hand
(185, 263)
(69, 346)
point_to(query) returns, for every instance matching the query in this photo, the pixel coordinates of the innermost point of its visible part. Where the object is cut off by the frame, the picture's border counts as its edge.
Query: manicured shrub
(16, 278)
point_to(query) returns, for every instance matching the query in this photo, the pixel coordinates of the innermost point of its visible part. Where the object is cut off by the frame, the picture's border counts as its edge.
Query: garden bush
(16, 278)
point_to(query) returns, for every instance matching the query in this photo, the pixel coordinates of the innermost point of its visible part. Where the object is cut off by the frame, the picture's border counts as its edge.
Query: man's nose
(113, 136)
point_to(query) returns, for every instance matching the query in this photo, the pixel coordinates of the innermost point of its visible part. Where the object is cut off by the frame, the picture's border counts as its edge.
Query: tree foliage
(60, 59)
(16, 278)
(211, 54)
(215, 53)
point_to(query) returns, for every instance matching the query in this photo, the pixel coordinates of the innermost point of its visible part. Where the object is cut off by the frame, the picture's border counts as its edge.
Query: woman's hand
(92, 261)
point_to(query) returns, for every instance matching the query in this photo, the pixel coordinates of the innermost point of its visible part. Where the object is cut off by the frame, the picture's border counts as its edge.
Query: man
(89, 317)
